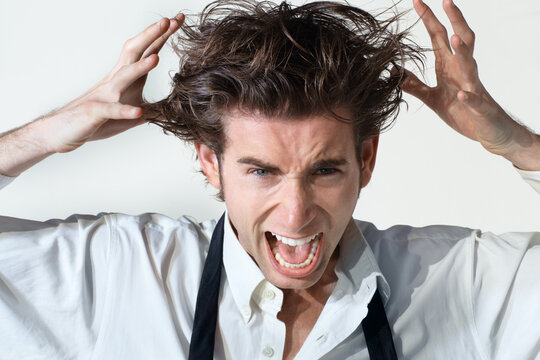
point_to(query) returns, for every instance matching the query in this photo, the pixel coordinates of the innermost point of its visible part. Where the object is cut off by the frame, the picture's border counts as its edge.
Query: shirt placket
(269, 299)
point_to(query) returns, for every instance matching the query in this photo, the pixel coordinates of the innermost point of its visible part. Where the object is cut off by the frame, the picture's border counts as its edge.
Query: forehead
(289, 140)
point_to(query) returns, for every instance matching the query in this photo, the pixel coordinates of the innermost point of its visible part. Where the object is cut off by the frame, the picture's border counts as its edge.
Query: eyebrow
(258, 163)
(329, 163)
(323, 163)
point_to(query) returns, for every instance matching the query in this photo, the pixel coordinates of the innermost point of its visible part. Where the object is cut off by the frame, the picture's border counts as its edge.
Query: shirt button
(269, 294)
(268, 351)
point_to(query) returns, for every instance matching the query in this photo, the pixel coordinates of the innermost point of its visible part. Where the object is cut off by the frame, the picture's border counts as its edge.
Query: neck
(301, 308)
(317, 294)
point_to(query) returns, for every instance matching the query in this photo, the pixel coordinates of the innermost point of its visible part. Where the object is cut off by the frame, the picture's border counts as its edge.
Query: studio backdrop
(426, 173)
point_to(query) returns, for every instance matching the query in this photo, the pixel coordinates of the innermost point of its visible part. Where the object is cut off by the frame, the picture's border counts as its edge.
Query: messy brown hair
(281, 60)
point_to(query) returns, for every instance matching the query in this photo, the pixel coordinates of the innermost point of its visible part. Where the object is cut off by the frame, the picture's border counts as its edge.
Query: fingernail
(148, 59)
(179, 18)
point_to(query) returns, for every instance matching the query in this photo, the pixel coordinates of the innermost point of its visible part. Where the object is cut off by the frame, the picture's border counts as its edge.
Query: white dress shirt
(115, 286)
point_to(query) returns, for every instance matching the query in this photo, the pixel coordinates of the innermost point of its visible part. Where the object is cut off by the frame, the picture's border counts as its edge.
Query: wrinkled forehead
(298, 140)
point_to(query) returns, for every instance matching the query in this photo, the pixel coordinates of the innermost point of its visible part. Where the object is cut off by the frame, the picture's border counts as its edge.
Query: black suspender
(377, 331)
(201, 346)
(375, 325)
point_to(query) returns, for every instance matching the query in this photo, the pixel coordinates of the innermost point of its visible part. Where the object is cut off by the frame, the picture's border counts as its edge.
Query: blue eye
(261, 172)
(325, 171)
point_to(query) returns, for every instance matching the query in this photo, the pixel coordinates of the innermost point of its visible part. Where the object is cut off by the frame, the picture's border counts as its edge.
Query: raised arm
(107, 109)
(460, 99)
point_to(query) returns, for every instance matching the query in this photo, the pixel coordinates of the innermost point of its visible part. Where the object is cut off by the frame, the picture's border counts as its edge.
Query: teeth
(296, 266)
(294, 242)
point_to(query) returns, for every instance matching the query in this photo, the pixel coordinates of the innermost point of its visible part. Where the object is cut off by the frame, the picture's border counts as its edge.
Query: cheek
(244, 208)
(242, 198)
(342, 198)
(248, 194)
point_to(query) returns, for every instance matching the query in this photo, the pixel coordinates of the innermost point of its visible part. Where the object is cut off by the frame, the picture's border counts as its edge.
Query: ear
(369, 155)
(209, 164)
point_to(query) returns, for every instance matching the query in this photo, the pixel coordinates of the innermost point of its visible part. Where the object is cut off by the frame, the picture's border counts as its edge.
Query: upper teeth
(294, 242)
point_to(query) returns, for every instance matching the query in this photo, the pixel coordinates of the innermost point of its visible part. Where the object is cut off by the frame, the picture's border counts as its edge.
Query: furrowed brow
(258, 163)
(329, 163)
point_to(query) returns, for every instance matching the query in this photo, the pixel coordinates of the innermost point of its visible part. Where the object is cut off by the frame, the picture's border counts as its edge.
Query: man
(284, 107)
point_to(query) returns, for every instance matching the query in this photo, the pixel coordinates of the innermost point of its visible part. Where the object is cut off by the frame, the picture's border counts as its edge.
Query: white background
(52, 51)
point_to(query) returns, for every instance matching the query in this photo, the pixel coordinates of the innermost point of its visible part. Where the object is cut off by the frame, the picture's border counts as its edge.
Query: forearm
(22, 148)
(525, 152)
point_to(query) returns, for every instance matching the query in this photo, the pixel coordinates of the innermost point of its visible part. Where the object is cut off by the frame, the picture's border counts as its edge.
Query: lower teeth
(300, 265)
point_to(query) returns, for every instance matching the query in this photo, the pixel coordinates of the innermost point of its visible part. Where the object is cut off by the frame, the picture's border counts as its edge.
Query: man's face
(290, 188)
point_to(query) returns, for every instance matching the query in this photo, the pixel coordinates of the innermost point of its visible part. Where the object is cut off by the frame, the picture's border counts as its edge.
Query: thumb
(414, 86)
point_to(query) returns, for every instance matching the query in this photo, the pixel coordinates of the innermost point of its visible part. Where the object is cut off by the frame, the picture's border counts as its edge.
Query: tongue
(294, 254)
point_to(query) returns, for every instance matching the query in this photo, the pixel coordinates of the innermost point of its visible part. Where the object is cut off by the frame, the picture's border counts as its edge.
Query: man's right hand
(109, 108)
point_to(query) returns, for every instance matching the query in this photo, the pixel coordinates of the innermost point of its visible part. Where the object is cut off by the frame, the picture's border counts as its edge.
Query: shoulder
(114, 225)
(157, 233)
(108, 238)
(463, 278)
(422, 260)
(432, 242)
(162, 257)
(428, 270)
(161, 223)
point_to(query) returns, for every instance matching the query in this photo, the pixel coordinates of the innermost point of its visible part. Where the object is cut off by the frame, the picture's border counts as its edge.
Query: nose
(297, 207)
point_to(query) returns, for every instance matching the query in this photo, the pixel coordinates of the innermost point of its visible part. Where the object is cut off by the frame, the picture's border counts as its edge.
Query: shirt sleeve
(506, 294)
(5, 180)
(531, 177)
(53, 278)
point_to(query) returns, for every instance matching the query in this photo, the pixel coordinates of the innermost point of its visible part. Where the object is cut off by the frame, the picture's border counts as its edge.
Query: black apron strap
(377, 331)
(201, 346)
(376, 328)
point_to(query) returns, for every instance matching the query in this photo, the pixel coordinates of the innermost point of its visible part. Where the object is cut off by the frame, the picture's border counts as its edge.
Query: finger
(128, 74)
(416, 87)
(437, 32)
(135, 47)
(102, 111)
(467, 64)
(458, 22)
(156, 46)
(111, 128)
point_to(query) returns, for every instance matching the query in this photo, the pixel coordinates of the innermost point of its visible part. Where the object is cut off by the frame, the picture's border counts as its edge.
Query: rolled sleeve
(531, 177)
(506, 294)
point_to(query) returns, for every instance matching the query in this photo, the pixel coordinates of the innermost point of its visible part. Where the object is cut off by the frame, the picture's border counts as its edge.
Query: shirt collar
(243, 274)
(357, 262)
(355, 265)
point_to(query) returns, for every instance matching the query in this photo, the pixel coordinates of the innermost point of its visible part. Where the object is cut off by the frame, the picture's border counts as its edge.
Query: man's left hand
(460, 99)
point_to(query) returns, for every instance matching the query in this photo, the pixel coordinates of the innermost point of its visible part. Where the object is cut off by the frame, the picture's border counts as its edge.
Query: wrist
(525, 153)
(41, 136)
(23, 148)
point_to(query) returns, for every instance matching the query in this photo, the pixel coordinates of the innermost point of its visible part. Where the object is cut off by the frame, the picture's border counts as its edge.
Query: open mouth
(293, 257)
